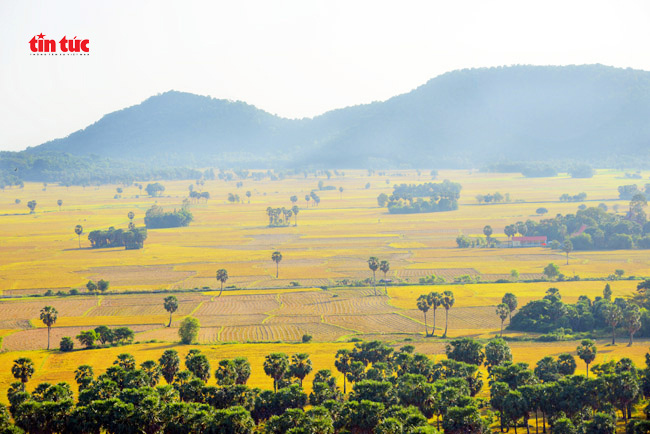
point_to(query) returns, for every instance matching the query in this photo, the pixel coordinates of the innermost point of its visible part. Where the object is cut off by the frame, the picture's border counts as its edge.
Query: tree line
(417, 198)
(392, 391)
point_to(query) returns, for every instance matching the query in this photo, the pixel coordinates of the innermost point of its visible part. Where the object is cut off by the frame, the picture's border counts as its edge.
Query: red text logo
(38, 44)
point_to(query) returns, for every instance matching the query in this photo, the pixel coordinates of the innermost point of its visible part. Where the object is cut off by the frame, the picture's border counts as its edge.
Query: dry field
(331, 242)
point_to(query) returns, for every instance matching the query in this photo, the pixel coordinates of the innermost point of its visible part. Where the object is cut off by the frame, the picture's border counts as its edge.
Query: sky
(291, 58)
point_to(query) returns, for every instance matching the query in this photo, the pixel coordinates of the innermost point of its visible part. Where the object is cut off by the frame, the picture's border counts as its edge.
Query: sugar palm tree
(277, 257)
(295, 210)
(22, 370)
(373, 264)
(79, 230)
(384, 266)
(447, 302)
(49, 316)
(171, 305)
(59, 202)
(435, 301)
(423, 305)
(84, 375)
(300, 366)
(275, 366)
(222, 276)
(503, 311)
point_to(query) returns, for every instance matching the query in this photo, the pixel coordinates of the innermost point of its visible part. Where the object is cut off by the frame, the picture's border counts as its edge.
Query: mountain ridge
(458, 119)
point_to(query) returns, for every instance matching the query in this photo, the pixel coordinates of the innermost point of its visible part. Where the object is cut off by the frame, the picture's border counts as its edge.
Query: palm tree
(423, 305)
(342, 364)
(435, 301)
(373, 264)
(276, 257)
(587, 352)
(503, 311)
(300, 366)
(22, 370)
(341, 191)
(275, 366)
(295, 210)
(447, 302)
(49, 316)
(222, 276)
(59, 202)
(169, 365)
(384, 266)
(83, 375)
(171, 305)
(79, 230)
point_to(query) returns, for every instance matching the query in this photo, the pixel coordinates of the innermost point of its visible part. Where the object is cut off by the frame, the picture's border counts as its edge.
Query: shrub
(73, 291)
(67, 344)
(306, 338)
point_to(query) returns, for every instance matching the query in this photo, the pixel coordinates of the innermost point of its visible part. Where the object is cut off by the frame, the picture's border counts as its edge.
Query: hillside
(463, 118)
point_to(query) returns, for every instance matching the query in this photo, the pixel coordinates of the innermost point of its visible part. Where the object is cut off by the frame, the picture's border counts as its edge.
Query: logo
(66, 47)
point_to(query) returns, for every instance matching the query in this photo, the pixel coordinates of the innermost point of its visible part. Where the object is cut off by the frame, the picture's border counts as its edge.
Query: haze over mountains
(467, 118)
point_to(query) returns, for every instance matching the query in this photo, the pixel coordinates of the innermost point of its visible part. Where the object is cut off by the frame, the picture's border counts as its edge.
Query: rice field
(258, 313)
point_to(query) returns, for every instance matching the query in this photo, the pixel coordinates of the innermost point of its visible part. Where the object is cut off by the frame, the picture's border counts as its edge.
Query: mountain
(466, 118)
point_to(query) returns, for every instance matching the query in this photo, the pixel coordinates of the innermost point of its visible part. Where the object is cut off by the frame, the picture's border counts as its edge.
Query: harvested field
(239, 304)
(383, 323)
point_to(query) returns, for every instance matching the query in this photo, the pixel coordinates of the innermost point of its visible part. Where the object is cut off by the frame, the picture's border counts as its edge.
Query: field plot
(381, 323)
(125, 275)
(239, 304)
(286, 332)
(27, 310)
(230, 320)
(145, 305)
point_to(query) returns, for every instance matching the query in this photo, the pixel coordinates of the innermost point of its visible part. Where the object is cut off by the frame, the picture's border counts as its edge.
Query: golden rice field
(330, 243)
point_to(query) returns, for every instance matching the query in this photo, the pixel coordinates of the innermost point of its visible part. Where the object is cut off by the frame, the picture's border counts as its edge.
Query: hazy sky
(292, 58)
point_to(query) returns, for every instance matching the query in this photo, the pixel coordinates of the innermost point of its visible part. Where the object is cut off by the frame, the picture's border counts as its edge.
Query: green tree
(613, 317)
(276, 366)
(84, 376)
(632, 319)
(423, 306)
(222, 276)
(342, 363)
(447, 302)
(171, 305)
(587, 352)
(503, 311)
(79, 230)
(497, 352)
(384, 267)
(602, 423)
(102, 285)
(461, 420)
(567, 247)
(189, 330)
(91, 286)
(32, 206)
(198, 365)
(511, 301)
(87, 338)
(551, 271)
(169, 365)
(435, 301)
(466, 350)
(607, 292)
(66, 344)
(277, 257)
(487, 231)
(300, 366)
(373, 264)
(566, 364)
(49, 315)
